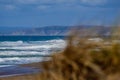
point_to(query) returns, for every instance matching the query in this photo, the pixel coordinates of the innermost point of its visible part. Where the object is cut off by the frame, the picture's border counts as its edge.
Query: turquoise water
(27, 49)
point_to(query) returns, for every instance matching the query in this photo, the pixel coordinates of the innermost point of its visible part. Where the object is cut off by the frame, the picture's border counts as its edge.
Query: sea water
(28, 49)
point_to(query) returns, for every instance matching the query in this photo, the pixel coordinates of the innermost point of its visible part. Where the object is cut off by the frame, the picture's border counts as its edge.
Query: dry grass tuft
(85, 59)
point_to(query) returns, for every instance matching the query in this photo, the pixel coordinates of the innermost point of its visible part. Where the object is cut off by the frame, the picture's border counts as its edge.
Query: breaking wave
(21, 52)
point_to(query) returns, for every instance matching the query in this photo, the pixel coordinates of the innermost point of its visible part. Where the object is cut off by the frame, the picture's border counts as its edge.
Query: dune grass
(85, 59)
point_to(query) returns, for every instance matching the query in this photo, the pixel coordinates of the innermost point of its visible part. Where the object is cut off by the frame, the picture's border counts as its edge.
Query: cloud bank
(43, 4)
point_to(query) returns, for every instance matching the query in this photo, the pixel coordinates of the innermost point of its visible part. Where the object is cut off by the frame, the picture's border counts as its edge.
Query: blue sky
(37, 13)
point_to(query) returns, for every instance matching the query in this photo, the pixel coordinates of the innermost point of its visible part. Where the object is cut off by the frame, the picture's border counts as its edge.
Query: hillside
(50, 30)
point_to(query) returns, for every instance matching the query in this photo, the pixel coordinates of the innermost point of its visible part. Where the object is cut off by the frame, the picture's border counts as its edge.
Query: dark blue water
(29, 38)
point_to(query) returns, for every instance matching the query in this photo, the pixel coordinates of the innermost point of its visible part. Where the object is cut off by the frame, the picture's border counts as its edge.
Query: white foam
(5, 65)
(19, 53)
(11, 43)
(36, 45)
(17, 60)
(12, 51)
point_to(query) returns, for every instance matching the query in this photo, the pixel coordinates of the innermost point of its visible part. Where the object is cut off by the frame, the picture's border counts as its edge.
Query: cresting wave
(20, 52)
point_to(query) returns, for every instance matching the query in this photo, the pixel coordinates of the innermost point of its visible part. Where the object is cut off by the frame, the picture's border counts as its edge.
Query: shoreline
(19, 71)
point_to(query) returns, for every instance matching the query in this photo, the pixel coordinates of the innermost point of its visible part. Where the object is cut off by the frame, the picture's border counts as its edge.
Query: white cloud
(50, 4)
(90, 2)
(42, 1)
(10, 7)
(94, 2)
(27, 1)
(43, 7)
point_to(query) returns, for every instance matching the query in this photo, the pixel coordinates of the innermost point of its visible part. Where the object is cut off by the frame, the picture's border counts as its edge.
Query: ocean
(16, 50)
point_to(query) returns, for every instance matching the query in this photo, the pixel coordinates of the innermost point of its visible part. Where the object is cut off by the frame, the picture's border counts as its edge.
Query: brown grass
(83, 59)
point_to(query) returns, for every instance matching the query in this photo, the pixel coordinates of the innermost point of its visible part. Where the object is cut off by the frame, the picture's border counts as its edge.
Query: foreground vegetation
(85, 59)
